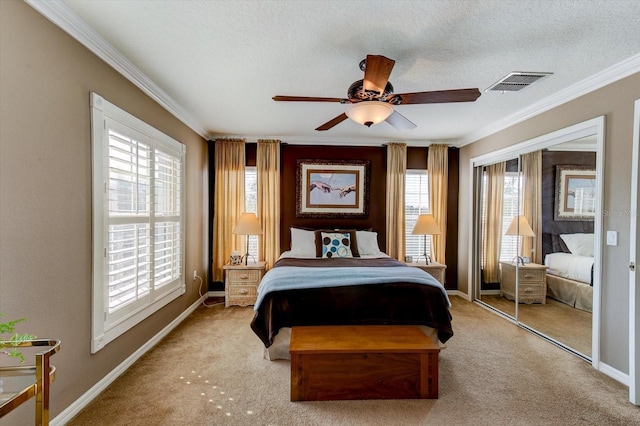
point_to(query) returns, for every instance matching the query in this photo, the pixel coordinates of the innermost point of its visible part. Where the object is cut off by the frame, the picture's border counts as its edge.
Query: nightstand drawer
(237, 290)
(240, 276)
(531, 293)
(530, 275)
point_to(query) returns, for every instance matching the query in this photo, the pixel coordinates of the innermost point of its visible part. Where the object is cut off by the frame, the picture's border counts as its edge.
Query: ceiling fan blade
(376, 72)
(400, 122)
(439, 96)
(306, 99)
(329, 124)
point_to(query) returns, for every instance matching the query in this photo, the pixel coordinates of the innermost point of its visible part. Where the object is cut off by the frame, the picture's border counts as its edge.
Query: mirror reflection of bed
(563, 246)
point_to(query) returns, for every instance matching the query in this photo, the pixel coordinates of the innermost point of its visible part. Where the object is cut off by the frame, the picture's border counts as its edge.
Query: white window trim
(408, 229)
(103, 330)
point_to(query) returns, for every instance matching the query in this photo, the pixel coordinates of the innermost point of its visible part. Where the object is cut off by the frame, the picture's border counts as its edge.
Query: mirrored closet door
(537, 228)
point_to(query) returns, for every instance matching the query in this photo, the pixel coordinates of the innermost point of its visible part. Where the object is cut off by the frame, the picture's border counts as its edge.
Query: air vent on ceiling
(517, 81)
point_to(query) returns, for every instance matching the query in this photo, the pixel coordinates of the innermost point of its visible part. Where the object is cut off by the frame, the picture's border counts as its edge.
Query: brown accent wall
(45, 203)
(376, 218)
(550, 159)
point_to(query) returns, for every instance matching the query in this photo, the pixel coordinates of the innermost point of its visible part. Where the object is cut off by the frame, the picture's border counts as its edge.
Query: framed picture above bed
(332, 188)
(575, 193)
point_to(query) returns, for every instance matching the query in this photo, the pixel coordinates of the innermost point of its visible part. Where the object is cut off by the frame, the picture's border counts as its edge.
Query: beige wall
(45, 196)
(616, 103)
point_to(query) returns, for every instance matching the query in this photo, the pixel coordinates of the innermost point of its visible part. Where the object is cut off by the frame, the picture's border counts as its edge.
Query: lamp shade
(426, 225)
(247, 225)
(369, 112)
(520, 226)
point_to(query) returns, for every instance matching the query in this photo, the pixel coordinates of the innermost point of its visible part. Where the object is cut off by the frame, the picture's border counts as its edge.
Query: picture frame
(332, 188)
(575, 193)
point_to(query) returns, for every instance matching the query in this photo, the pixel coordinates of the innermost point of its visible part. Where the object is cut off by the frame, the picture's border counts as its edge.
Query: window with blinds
(510, 209)
(416, 195)
(251, 202)
(138, 220)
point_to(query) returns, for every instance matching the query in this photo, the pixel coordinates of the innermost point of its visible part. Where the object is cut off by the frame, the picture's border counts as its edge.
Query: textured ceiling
(222, 61)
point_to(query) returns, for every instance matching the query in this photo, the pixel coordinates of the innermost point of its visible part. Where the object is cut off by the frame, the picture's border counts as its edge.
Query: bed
(313, 285)
(570, 270)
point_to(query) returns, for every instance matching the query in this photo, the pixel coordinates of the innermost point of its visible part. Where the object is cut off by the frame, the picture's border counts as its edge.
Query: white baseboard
(459, 293)
(490, 293)
(72, 410)
(215, 293)
(614, 373)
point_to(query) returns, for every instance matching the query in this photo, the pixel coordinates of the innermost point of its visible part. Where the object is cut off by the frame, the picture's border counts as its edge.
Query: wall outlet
(612, 238)
(195, 274)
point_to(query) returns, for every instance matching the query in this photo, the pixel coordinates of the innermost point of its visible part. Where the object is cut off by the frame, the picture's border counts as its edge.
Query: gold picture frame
(332, 188)
(575, 193)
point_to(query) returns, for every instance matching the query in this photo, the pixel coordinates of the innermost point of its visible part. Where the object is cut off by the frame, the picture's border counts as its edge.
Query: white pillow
(367, 242)
(579, 244)
(303, 242)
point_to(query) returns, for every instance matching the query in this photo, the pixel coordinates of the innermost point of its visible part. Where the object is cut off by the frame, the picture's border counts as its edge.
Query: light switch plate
(612, 238)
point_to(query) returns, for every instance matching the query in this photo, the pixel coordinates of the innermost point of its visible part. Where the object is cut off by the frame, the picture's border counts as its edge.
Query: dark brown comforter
(395, 303)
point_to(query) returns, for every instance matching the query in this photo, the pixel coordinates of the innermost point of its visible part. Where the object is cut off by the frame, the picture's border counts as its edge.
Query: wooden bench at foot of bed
(362, 362)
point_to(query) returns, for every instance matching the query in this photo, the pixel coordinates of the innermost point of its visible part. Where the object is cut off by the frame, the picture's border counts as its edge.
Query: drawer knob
(244, 277)
(243, 291)
(529, 275)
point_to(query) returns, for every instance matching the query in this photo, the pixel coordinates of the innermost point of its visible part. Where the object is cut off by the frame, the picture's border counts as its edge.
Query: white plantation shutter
(138, 221)
(416, 194)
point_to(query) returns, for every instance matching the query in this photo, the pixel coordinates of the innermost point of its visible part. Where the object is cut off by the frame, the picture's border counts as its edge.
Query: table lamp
(247, 225)
(426, 225)
(519, 226)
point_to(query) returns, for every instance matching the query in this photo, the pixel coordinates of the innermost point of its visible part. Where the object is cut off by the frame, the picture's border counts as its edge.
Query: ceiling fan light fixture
(369, 112)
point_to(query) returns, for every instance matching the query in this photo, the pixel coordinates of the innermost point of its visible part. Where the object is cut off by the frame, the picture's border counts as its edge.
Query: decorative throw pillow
(352, 237)
(335, 244)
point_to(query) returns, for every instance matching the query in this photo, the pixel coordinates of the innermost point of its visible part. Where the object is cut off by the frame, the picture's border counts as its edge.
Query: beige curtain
(229, 201)
(438, 170)
(492, 229)
(532, 205)
(268, 164)
(396, 170)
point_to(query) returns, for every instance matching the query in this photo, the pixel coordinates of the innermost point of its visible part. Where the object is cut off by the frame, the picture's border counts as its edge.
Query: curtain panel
(438, 171)
(532, 205)
(396, 170)
(268, 165)
(492, 230)
(229, 201)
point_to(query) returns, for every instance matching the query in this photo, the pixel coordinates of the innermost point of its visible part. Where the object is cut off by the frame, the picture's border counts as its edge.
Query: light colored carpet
(210, 371)
(555, 319)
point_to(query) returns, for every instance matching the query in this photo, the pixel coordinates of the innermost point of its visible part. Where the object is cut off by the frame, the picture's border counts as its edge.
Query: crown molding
(610, 75)
(62, 16)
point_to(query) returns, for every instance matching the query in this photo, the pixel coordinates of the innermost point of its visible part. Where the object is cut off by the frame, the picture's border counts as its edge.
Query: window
(138, 225)
(251, 202)
(510, 209)
(416, 195)
(510, 206)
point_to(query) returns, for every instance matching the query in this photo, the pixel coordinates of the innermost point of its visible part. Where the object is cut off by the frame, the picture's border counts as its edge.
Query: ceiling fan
(372, 98)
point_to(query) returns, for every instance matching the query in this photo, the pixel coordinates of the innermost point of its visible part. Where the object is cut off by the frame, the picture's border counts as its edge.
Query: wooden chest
(362, 362)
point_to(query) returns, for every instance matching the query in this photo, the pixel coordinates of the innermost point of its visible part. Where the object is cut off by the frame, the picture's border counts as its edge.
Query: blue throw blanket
(294, 277)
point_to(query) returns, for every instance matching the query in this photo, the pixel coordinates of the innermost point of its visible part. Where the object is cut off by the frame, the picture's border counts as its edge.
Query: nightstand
(436, 270)
(241, 283)
(532, 282)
